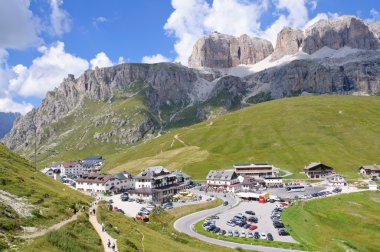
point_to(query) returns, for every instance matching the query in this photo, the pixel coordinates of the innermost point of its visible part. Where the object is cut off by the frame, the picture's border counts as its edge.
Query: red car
(252, 227)
(284, 204)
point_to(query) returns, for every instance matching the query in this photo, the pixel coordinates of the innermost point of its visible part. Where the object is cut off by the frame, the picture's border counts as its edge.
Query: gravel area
(282, 193)
(263, 212)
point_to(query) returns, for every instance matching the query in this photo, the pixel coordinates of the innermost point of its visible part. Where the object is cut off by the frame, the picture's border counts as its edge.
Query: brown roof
(96, 178)
(69, 164)
(313, 165)
(371, 167)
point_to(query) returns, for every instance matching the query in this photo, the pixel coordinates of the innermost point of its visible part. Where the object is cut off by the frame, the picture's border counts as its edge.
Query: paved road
(186, 224)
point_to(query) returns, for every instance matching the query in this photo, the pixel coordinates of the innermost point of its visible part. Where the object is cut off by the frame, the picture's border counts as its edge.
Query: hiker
(103, 227)
(93, 211)
(109, 243)
(113, 246)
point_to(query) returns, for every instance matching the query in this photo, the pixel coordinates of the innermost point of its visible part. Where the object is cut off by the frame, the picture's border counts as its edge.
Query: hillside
(341, 131)
(31, 199)
(347, 222)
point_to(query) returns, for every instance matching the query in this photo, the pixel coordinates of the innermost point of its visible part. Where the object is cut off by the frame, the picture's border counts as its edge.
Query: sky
(42, 41)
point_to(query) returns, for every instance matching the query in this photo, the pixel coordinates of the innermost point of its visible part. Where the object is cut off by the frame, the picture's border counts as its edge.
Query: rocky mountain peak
(223, 51)
(343, 31)
(289, 41)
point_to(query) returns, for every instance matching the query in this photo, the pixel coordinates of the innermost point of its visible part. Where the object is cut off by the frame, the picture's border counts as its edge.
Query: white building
(372, 187)
(273, 181)
(127, 181)
(222, 180)
(72, 168)
(256, 170)
(336, 180)
(97, 183)
(156, 184)
(48, 171)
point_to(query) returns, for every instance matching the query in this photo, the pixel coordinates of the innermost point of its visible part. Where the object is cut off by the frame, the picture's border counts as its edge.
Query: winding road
(186, 225)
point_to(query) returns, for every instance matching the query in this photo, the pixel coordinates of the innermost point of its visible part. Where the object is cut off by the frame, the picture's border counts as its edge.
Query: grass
(50, 201)
(346, 222)
(76, 236)
(286, 245)
(340, 131)
(158, 233)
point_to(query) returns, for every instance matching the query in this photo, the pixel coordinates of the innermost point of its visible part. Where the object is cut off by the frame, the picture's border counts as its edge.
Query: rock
(288, 42)
(222, 51)
(375, 28)
(337, 33)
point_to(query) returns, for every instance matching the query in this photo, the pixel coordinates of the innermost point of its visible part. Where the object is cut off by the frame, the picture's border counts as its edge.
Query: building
(372, 186)
(48, 171)
(222, 179)
(92, 162)
(336, 180)
(318, 170)
(370, 170)
(97, 183)
(156, 184)
(72, 168)
(248, 184)
(127, 181)
(256, 170)
(273, 181)
(182, 177)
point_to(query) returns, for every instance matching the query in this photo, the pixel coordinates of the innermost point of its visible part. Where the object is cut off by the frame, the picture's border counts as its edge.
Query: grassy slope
(17, 177)
(341, 131)
(341, 223)
(159, 233)
(74, 237)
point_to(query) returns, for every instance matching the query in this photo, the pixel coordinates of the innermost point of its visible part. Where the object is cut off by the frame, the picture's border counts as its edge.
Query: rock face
(223, 51)
(343, 31)
(288, 42)
(375, 28)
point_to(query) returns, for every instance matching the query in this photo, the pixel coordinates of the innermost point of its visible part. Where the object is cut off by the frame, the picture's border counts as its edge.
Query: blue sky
(44, 40)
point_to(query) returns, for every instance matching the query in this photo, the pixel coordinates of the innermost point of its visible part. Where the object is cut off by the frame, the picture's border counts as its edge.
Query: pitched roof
(122, 175)
(371, 167)
(69, 164)
(181, 174)
(97, 158)
(96, 178)
(316, 164)
(221, 174)
(153, 172)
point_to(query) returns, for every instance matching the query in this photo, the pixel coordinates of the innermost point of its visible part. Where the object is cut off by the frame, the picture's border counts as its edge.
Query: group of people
(109, 245)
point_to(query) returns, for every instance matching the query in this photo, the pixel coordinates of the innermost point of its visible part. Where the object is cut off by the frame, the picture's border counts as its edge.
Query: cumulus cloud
(8, 105)
(59, 18)
(19, 27)
(192, 19)
(46, 71)
(155, 59)
(101, 60)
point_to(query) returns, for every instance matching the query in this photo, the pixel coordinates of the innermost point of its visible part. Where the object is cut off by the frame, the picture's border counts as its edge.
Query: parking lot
(263, 213)
(132, 208)
(282, 193)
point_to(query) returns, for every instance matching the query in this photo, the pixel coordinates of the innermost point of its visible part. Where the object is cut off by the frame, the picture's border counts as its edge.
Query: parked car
(236, 233)
(250, 235)
(216, 230)
(256, 235)
(250, 212)
(247, 225)
(242, 234)
(269, 237)
(253, 219)
(278, 224)
(283, 232)
(131, 199)
(263, 236)
(229, 233)
(222, 232)
(214, 217)
(225, 203)
(231, 223)
(252, 227)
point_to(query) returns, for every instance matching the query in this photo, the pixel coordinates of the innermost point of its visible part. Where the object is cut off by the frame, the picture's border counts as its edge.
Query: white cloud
(155, 59)
(101, 60)
(8, 105)
(121, 60)
(320, 16)
(99, 20)
(59, 18)
(18, 27)
(46, 72)
(374, 16)
(313, 4)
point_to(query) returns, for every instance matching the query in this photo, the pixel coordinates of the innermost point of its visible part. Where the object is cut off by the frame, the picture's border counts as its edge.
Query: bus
(296, 188)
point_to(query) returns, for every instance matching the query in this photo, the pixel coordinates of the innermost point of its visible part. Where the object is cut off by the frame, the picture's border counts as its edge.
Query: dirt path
(47, 230)
(104, 236)
(180, 140)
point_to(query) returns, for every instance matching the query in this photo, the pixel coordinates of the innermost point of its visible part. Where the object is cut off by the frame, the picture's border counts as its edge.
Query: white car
(250, 235)
(242, 234)
(263, 236)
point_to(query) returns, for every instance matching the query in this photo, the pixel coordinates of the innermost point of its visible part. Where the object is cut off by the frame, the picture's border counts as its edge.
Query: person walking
(93, 211)
(109, 243)
(103, 227)
(113, 246)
